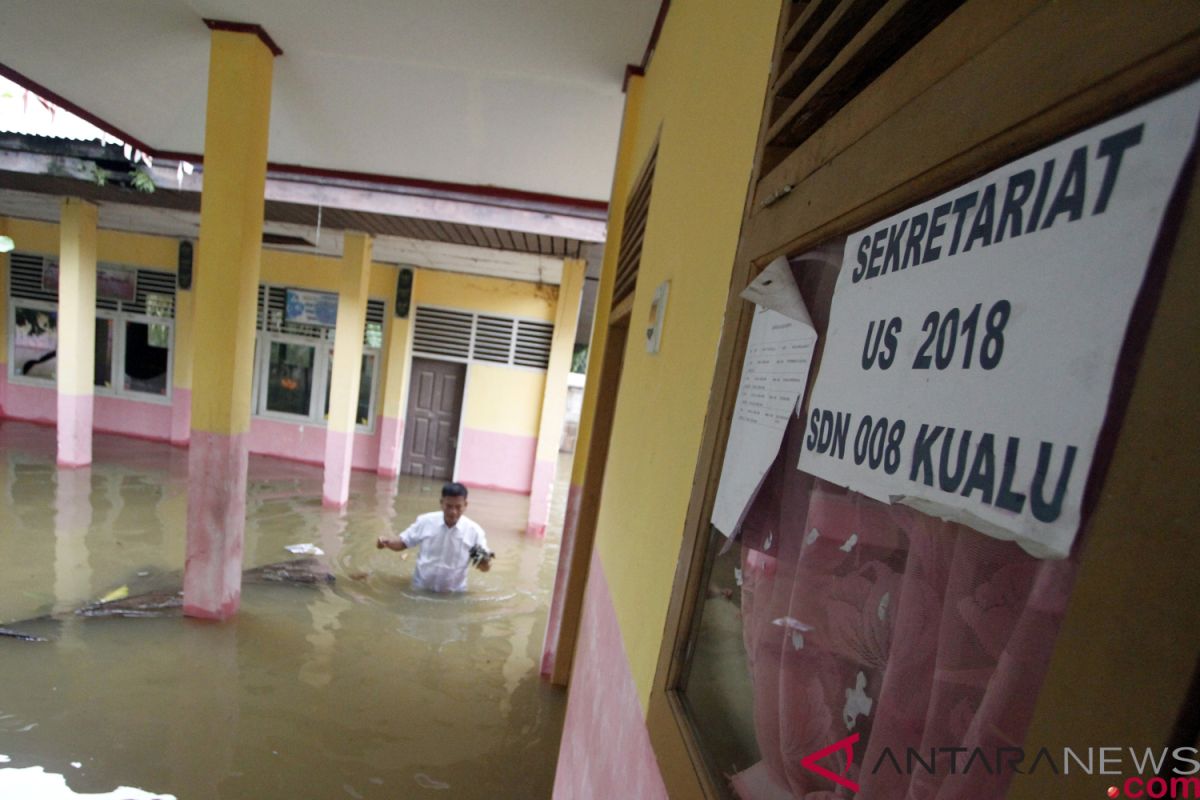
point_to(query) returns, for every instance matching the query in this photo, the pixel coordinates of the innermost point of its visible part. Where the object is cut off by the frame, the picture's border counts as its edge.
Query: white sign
(973, 339)
(774, 373)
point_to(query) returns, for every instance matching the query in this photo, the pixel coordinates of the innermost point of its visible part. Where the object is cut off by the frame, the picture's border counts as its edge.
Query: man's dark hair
(454, 490)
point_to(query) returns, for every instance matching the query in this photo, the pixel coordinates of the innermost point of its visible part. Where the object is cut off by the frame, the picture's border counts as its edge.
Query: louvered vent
(441, 332)
(827, 52)
(493, 339)
(373, 327)
(160, 284)
(533, 344)
(629, 257)
(482, 337)
(25, 281)
(25, 277)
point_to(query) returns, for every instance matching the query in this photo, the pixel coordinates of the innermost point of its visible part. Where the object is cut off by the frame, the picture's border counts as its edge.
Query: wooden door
(431, 424)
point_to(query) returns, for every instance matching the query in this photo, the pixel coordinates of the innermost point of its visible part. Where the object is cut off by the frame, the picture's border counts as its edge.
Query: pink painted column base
(212, 575)
(75, 429)
(391, 438)
(181, 417)
(606, 750)
(339, 452)
(540, 490)
(566, 552)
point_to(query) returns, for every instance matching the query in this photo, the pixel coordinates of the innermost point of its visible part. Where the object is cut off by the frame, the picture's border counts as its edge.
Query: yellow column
(554, 398)
(76, 331)
(184, 357)
(347, 367)
(395, 388)
(3, 319)
(225, 298)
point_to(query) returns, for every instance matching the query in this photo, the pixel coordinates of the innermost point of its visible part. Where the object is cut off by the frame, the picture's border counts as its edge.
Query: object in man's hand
(479, 554)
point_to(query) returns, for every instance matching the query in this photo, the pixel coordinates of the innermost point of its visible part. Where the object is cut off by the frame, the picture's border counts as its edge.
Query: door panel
(431, 424)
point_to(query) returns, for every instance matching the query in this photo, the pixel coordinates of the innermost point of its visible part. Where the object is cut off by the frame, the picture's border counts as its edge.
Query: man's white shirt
(444, 555)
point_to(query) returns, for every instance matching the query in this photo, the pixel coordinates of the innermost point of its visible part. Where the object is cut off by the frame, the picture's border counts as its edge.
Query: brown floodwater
(360, 688)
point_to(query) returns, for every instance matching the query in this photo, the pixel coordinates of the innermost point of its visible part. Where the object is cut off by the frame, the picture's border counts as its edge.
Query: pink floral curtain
(876, 620)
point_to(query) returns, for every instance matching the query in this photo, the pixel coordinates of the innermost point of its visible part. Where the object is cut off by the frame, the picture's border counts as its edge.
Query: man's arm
(396, 544)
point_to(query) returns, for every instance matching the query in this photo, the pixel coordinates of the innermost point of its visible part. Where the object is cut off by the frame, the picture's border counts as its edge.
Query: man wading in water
(450, 542)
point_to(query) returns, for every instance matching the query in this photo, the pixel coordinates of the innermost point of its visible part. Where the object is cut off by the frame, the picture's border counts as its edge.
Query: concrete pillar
(395, 390)
(3, 321)
(181, 391)
(225, 301)
(76, 331)
(347, 367)
(554, 396)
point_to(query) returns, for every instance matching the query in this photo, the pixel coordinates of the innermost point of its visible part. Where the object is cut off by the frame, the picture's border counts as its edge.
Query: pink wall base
(75, 429)
(391, 438)
(212, 576)
(566, 552)
(181, 417)
(496, 460)
(540, 490)
(339, 451)
(605, 749)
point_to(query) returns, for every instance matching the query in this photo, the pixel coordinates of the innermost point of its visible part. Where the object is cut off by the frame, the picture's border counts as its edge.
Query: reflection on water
(363, 688)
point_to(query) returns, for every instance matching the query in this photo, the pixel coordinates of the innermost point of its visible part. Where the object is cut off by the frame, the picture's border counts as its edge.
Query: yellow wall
(503, 399)
(498, 399)
(475, 293)
(702, 99)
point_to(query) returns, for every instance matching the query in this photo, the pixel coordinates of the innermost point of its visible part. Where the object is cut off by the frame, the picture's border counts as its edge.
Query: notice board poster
(774, 374)
(973, 338)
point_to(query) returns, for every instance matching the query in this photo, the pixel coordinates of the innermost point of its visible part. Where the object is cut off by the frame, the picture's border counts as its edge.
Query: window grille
(629, 257)
(25, 278)
(489, 338)
(827, 52)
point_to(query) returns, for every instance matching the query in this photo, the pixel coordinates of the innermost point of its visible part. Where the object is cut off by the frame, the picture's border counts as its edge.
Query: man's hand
(390, 544)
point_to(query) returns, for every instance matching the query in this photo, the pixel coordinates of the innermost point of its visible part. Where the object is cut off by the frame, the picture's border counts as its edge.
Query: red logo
(847, 744)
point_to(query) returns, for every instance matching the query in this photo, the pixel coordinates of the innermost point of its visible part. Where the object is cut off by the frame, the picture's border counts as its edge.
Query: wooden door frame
(589, 499)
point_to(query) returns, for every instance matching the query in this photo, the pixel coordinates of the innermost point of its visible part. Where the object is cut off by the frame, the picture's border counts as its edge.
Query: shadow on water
(361, 688)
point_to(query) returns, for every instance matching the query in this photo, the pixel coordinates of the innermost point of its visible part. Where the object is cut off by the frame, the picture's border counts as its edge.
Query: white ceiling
(518, 94)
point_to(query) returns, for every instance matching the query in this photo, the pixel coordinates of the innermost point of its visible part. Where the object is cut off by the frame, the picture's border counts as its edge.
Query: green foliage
(140, 179)
(579, 359)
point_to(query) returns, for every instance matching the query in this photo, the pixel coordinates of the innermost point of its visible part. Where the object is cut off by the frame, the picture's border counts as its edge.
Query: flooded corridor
(359, 688)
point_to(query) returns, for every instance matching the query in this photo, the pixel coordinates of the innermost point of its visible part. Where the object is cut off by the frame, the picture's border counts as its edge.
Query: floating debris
(303, 570)
(150, 604)
(426, 782)
(24, 637)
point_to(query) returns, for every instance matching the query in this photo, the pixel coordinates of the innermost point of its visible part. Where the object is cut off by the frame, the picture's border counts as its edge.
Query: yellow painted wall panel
(503, 399)
(704, 111)
(477, 293)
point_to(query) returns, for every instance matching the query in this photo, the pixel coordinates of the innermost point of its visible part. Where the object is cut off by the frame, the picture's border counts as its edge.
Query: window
(295, 357)
(34, 341)
(135, 323)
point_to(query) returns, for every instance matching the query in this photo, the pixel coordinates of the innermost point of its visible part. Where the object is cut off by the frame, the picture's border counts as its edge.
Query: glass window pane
(290, 378)
(362, 414)
(374, 337)
(35, 342)
(145, 362)
(105, 331)
(160, 305)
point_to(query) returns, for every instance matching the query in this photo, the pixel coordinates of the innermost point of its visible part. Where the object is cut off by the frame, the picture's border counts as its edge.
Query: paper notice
(774, 374)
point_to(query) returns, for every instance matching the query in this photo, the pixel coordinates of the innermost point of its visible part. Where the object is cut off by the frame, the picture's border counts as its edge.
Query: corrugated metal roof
(22, 111)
